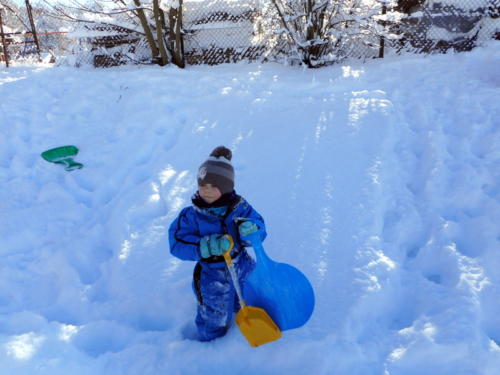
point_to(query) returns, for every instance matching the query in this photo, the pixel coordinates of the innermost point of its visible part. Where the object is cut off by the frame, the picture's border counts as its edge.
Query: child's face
(209, 193)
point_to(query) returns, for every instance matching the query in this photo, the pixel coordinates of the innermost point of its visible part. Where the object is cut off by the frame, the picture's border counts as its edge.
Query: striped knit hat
(217, 170)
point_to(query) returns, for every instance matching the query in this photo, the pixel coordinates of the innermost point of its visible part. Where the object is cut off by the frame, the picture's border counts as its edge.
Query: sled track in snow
(382, 188)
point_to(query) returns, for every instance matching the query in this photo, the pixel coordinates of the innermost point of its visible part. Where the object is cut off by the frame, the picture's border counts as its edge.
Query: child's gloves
(215, 244)
(247, 228)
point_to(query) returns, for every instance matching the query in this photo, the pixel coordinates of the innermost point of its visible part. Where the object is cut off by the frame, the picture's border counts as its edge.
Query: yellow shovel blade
(257, 326)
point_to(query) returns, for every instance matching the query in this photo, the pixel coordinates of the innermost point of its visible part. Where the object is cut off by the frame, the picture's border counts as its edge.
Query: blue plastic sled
(280, 289)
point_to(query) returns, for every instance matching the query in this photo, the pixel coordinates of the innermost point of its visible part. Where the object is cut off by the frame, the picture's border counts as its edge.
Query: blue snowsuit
(217, 299)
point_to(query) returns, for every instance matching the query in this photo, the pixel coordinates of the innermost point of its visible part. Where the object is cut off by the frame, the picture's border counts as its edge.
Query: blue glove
(247, 228)
(215, 244)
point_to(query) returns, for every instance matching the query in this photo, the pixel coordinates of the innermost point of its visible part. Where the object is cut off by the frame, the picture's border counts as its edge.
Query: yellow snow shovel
(255, 324)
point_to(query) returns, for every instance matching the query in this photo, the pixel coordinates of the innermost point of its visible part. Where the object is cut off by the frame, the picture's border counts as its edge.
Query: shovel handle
(232, 272)
(227, 254)
(70, 164)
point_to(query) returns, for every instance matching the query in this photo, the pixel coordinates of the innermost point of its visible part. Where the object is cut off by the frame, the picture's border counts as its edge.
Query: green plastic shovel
(63, 155)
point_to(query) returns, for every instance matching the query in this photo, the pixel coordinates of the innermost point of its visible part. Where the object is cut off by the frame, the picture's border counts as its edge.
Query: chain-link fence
(86, 44)
(106, 46)
(218, 31)
(16, 40)
(27, 35)
(21, 46)
(440, 25)
(222, 31)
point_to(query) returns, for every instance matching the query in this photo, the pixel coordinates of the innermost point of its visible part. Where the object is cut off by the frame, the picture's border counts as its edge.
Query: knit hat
(217, 170)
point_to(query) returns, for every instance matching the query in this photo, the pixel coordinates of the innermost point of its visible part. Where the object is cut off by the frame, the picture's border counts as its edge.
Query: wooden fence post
(4, 43)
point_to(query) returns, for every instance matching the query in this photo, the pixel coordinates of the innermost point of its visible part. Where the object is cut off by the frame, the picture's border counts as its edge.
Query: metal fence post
(4, 43)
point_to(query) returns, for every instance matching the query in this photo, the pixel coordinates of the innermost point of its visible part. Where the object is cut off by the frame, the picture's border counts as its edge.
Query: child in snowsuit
(198, 234)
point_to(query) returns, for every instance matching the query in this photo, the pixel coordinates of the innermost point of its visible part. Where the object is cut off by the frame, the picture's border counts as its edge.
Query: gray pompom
(222, 151)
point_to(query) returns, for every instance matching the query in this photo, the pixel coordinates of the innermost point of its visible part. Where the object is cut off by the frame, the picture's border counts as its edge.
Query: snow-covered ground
(379, 181)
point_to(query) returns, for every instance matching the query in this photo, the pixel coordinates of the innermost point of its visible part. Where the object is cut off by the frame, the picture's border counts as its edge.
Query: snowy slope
(379, 181)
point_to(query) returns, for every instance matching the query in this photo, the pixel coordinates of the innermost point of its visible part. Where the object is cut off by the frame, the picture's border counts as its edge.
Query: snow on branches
(322, 31)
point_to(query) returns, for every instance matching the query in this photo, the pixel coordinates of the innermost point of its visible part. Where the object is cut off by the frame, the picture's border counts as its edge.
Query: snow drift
(379, 181)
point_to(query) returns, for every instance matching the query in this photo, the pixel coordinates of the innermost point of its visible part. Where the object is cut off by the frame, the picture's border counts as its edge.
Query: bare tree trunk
(147, 30)
(33, 28)
(298, 29)
(159, 34)
(382, 38)
(310, 23)
(4, 43)
(176, 39)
